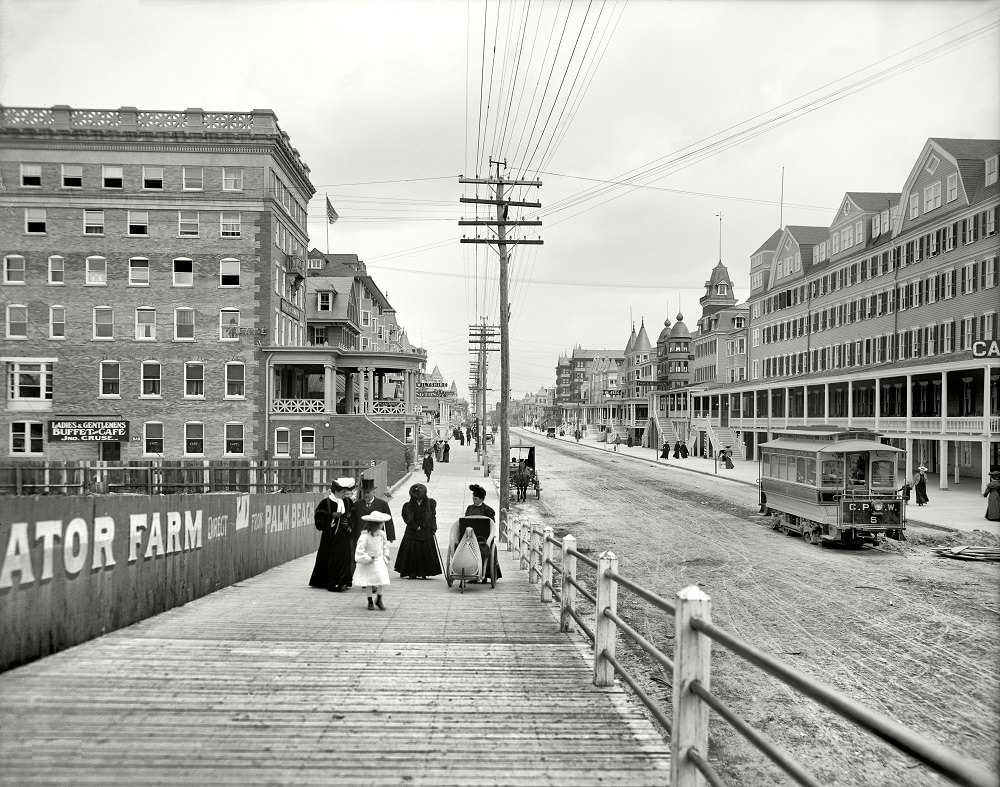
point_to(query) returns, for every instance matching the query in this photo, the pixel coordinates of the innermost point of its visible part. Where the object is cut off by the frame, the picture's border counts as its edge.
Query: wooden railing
(198, 476)
(690, 666)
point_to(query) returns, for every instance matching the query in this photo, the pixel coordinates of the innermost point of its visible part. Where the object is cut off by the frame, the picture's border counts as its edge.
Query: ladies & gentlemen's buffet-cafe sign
(78, 431)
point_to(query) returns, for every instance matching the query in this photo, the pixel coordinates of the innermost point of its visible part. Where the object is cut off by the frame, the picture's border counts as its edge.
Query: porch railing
(691, 665)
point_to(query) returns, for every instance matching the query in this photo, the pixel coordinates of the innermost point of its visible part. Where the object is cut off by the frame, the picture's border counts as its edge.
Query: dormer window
(991, 170)
(721, 289)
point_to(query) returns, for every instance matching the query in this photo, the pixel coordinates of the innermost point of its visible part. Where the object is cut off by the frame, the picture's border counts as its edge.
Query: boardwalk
(272, 682)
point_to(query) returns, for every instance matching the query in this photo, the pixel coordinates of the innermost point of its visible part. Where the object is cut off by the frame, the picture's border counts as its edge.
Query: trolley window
(833, 473)
(883, 473)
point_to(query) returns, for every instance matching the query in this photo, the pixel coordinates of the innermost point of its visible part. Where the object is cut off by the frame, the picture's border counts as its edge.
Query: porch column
(826, 403)
(909, 401)
(788, 399)
(943, 463)
(371, 390)
(878, 402)
(329, 387)
(349, 393)
(944, 400)
(850, 402)
(988, 415)
(908, 470)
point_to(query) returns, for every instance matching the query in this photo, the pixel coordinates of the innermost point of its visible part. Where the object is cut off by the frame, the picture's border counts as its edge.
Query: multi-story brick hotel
(155, 298)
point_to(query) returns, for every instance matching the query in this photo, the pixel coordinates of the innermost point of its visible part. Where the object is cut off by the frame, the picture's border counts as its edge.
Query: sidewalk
(449, 486)
(960, 507)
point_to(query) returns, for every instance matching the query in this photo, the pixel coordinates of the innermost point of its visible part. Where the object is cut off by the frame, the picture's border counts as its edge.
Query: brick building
(149, 259)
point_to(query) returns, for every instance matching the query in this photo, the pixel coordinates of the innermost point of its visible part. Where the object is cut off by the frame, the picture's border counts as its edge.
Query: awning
(858, 445)
(810, 446)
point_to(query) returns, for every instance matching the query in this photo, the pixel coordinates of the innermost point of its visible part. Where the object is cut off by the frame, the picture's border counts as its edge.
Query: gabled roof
(771, 244)
(808, 236)
(873, 201)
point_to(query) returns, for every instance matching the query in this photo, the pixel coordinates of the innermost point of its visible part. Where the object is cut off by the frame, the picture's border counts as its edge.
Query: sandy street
(908, 633)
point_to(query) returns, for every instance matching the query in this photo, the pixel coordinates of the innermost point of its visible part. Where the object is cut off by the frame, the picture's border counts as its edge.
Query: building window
(721, 289)
(57, 322)
(26, 438)
(57, 270)
(991, 170)
(93, 222)
(194, 380)
(30, 383)
(17, 321)
(111, 379)
(183, 273)
(34, 221)
(13, 270)
(72, 176)
(194, 179)
(307, 442)
(138, 272)
(234, 439)
(187, 223)
(97, 271)
(152, 438)
(145, 323)
(914, 205)
(184, 325)
(324, 301)
(138, 222)
(366, 319)
(112, 177)
(229, 273)
(150, 379)
(152, 178)
(229, 324)
(952, 187)
(194, 439)
(281, 442)
(104, 322)
(235, 381)
(932, 197)
(230, 224)
(31, 175)
(232, 179)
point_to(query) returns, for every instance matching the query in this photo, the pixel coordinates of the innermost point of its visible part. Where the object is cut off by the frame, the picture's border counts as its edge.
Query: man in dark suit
(369, 503)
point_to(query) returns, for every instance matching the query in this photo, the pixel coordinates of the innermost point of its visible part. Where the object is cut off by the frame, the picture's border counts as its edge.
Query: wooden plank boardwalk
(272, 682)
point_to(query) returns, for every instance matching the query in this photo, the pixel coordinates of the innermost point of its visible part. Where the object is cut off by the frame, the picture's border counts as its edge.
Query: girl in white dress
(371, 557)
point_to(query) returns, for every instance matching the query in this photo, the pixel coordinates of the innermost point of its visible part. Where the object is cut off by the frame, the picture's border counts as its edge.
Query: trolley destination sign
(865, 513)
(80, 431)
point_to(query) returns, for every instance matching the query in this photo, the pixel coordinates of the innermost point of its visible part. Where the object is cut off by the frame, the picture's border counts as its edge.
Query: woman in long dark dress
(992, 495)
(335, 559)
(920, 486)
(677, 450)
(479, 508)
(418, 552)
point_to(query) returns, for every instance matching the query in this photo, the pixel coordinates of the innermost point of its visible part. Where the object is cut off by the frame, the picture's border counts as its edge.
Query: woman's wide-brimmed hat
(477, 490)
(418, 488)
(922, 469)
(377, 516)
(341, 484)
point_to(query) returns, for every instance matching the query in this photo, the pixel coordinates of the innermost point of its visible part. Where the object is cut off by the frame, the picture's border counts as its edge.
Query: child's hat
(377, 516)
(343, 483)
(922, 469)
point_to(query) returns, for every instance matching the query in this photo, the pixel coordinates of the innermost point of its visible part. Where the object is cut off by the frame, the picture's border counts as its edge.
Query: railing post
(605, 630)
(545, 594)
(567, 591)
(692, 662)
(534, 561)
(523, 563)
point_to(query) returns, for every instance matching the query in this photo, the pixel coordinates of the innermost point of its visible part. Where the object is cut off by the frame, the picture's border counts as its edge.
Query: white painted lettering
(173, 532)
(18, 557)
(75, 542)
(104, 537)
(154, 545)
(192, 530)
(47, 531)
(136, 524)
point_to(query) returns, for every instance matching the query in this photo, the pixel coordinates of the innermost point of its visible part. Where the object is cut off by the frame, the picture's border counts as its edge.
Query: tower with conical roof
(718, 292)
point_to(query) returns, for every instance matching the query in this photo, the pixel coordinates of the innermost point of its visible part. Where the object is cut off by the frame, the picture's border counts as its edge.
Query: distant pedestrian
(446, 452)
(920, 486)
(618, 441)
(992, 495)
(428, 465)
(904, 491)
(368, 503)
(418, 552)
(726, 456)
(628, 440)
(677, 450)
(371, 556)
(665, 451)
(684, 451)
(437, 450)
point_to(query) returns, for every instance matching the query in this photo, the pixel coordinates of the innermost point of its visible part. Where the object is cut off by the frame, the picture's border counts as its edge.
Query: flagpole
(327, 222)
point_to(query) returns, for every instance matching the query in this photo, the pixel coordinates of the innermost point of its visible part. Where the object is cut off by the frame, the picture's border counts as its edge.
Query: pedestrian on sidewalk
(618, 441)
(677, 450)
(665, 451)
(479, 508)
(726, 455)
(684, 451)
(428, 465)
(920, 486)
(334, 560)
(371, 556)
(418, 553)
(446, 452)
(992, 495)
(628, 441)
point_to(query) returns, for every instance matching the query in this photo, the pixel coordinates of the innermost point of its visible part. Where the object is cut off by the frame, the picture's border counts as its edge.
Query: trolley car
(829, 484)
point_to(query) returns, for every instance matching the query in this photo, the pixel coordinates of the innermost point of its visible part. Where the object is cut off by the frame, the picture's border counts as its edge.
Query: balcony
(973, 426)
(315, 407)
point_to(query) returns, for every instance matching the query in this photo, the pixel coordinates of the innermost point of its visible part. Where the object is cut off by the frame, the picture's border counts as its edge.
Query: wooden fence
(691, 665)
(197, 476)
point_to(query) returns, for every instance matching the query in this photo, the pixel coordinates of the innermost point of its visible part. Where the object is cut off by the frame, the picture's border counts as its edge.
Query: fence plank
(605, 631)
(692, 662)
(545, 595)
(567, 593)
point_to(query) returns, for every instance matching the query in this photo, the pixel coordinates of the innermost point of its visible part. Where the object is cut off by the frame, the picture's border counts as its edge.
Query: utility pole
(501, 241)
(482, 339)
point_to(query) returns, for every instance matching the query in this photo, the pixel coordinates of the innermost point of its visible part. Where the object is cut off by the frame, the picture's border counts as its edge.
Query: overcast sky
(389, 103)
